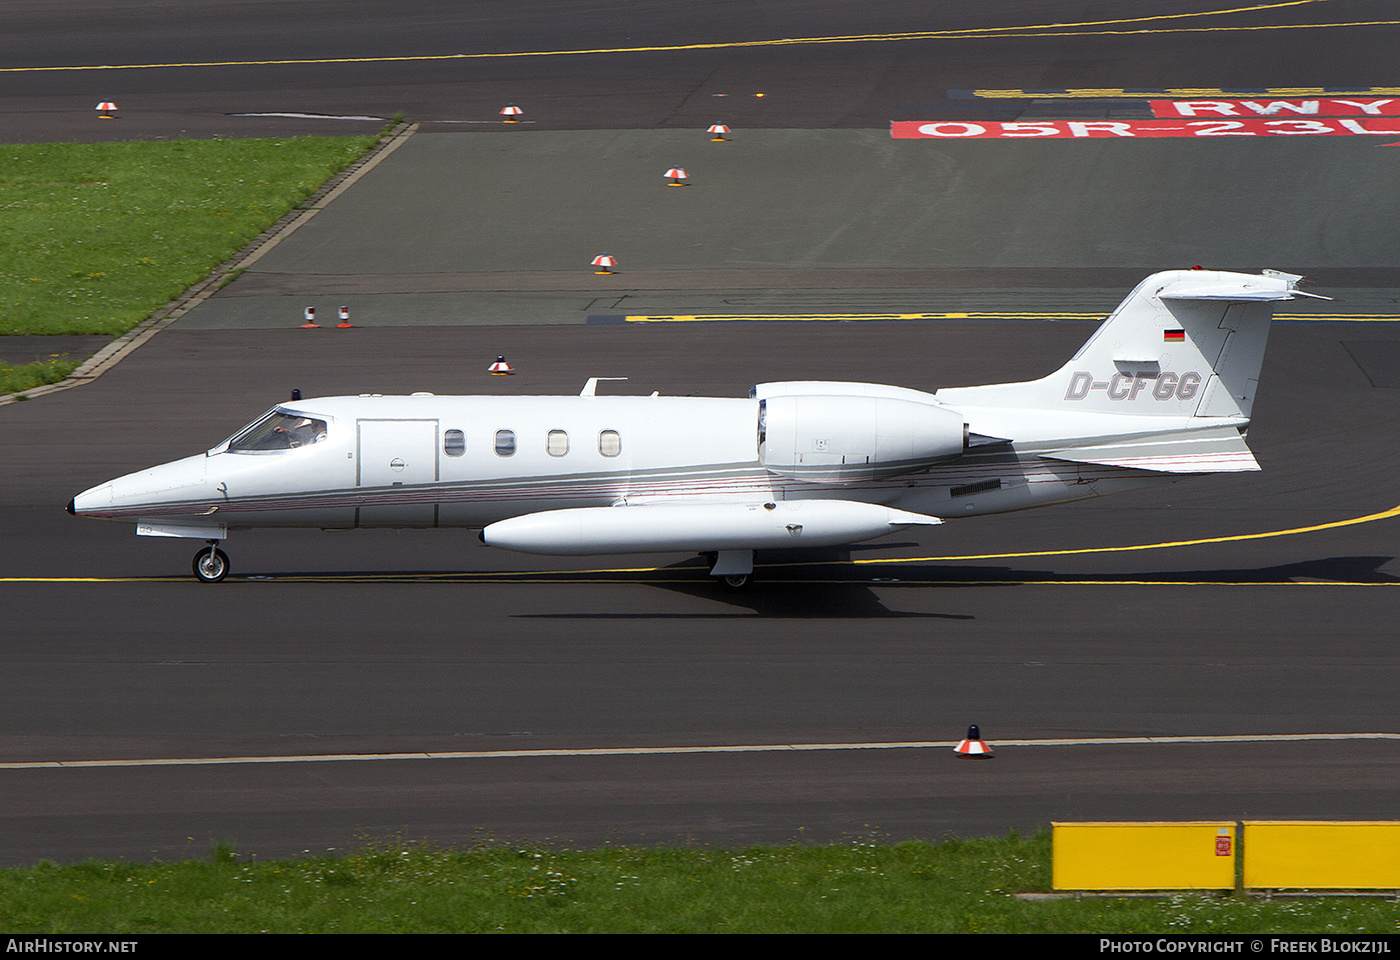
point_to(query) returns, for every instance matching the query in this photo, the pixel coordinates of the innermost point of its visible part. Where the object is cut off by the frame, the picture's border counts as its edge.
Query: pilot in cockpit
(305, 431)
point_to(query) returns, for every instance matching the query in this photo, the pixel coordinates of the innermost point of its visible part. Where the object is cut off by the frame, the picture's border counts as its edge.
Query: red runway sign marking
(1100, 129)
(1321, 107)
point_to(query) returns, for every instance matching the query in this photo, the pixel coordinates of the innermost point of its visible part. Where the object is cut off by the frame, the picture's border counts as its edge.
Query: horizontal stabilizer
(1271, 285)
(1241, 292)
(1195, 451)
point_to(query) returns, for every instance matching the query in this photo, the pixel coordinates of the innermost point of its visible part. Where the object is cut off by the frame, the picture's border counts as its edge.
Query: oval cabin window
(454, 443)
(609, 443)
(557, 443)
(505, 443)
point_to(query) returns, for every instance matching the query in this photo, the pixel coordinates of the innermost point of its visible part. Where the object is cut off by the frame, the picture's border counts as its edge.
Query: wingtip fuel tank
(699, 527)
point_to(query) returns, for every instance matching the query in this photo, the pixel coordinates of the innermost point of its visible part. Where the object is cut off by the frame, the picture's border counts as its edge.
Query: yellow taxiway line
(1171, 93)
(1024, 30)
(509, 576)
(1233, 538)
(847, 317)
(961, 315)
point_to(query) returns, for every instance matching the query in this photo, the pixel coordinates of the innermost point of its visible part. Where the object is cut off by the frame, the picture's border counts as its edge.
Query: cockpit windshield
(279, 430)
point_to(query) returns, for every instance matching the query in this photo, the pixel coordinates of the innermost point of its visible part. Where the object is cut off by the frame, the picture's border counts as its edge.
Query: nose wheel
(211, 565)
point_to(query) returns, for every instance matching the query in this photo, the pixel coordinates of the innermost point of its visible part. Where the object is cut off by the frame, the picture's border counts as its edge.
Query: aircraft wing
(1218, 450)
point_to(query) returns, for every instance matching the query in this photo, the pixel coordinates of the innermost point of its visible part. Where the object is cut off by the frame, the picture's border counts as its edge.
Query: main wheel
(736, 581)
(211, 565)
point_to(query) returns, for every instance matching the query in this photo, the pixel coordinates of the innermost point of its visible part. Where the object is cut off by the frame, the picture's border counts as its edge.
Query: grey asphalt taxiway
(416, 684)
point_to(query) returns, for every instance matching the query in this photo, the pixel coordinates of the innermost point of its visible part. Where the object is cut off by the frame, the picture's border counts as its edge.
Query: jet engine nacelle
(825, 438)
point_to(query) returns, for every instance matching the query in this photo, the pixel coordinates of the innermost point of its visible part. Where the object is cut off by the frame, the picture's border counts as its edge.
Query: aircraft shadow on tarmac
(793, 599)
(1327, 569)
(833, 588)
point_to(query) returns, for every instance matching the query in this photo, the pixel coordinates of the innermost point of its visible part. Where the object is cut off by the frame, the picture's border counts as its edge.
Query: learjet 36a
(1164, 388)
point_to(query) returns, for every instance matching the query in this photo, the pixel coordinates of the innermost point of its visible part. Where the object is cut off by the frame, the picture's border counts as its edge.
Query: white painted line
(308, 116)
(665, 751)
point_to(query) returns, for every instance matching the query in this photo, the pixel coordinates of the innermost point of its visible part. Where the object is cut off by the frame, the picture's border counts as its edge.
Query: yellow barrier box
(1144, 856)
(1322, 855)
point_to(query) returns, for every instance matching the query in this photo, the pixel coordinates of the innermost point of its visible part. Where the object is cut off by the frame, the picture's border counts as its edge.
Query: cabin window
(454, 443)
(505, 443)
(557, 443)
(279, 431)
(609, 443)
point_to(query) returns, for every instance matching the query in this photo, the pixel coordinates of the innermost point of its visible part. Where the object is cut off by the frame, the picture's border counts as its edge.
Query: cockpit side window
(279, 431)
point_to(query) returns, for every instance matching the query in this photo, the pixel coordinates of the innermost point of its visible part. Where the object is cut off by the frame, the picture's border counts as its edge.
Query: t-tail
(1180, 356)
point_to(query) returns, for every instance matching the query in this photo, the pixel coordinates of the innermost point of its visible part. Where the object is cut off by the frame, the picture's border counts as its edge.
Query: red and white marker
(106, 108)
(309, 315)
(718, 130)
(500, 368)
(973, 746)
(604, 263)
(344, 318)
(511, 113)
(678, 176)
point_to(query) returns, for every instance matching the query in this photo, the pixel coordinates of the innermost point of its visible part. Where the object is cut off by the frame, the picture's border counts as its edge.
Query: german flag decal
(1173, 335)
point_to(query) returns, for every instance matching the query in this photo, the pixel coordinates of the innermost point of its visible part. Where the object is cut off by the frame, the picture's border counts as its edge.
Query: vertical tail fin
(1184, 343)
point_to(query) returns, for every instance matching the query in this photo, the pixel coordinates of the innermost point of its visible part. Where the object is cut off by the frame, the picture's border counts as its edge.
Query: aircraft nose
(89, 502)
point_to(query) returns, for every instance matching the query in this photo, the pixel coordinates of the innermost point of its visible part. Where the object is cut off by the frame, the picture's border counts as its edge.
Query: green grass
(27, 376)
(100, 235)
(952, 887)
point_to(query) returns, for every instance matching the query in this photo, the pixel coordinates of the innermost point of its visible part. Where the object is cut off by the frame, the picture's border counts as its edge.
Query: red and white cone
(500, 368)
(973, 746)
(604, 263)
(678, 177)
(511, 113)
(717, 131)
(309, 315)
(105, 109)
(344, 318)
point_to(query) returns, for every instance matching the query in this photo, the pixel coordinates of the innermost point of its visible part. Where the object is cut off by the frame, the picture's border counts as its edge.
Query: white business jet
(1163, 388)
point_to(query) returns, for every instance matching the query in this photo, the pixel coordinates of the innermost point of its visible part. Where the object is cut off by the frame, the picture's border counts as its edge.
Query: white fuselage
(1164, 388)
(429, 461)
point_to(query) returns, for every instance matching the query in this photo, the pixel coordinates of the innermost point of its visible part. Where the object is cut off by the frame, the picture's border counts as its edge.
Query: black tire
(210, 566)
(736, 582)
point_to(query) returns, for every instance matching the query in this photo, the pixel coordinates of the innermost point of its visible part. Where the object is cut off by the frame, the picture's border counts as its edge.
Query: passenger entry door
(396, 465)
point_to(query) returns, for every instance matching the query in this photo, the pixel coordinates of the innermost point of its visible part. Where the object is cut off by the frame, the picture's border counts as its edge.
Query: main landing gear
(211, 565)
(732, 568)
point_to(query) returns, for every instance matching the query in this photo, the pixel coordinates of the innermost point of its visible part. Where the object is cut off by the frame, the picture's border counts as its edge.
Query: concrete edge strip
(665, 751)
(123, 346)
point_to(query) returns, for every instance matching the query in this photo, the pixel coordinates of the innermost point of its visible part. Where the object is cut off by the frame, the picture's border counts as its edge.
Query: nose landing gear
(211, 565)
